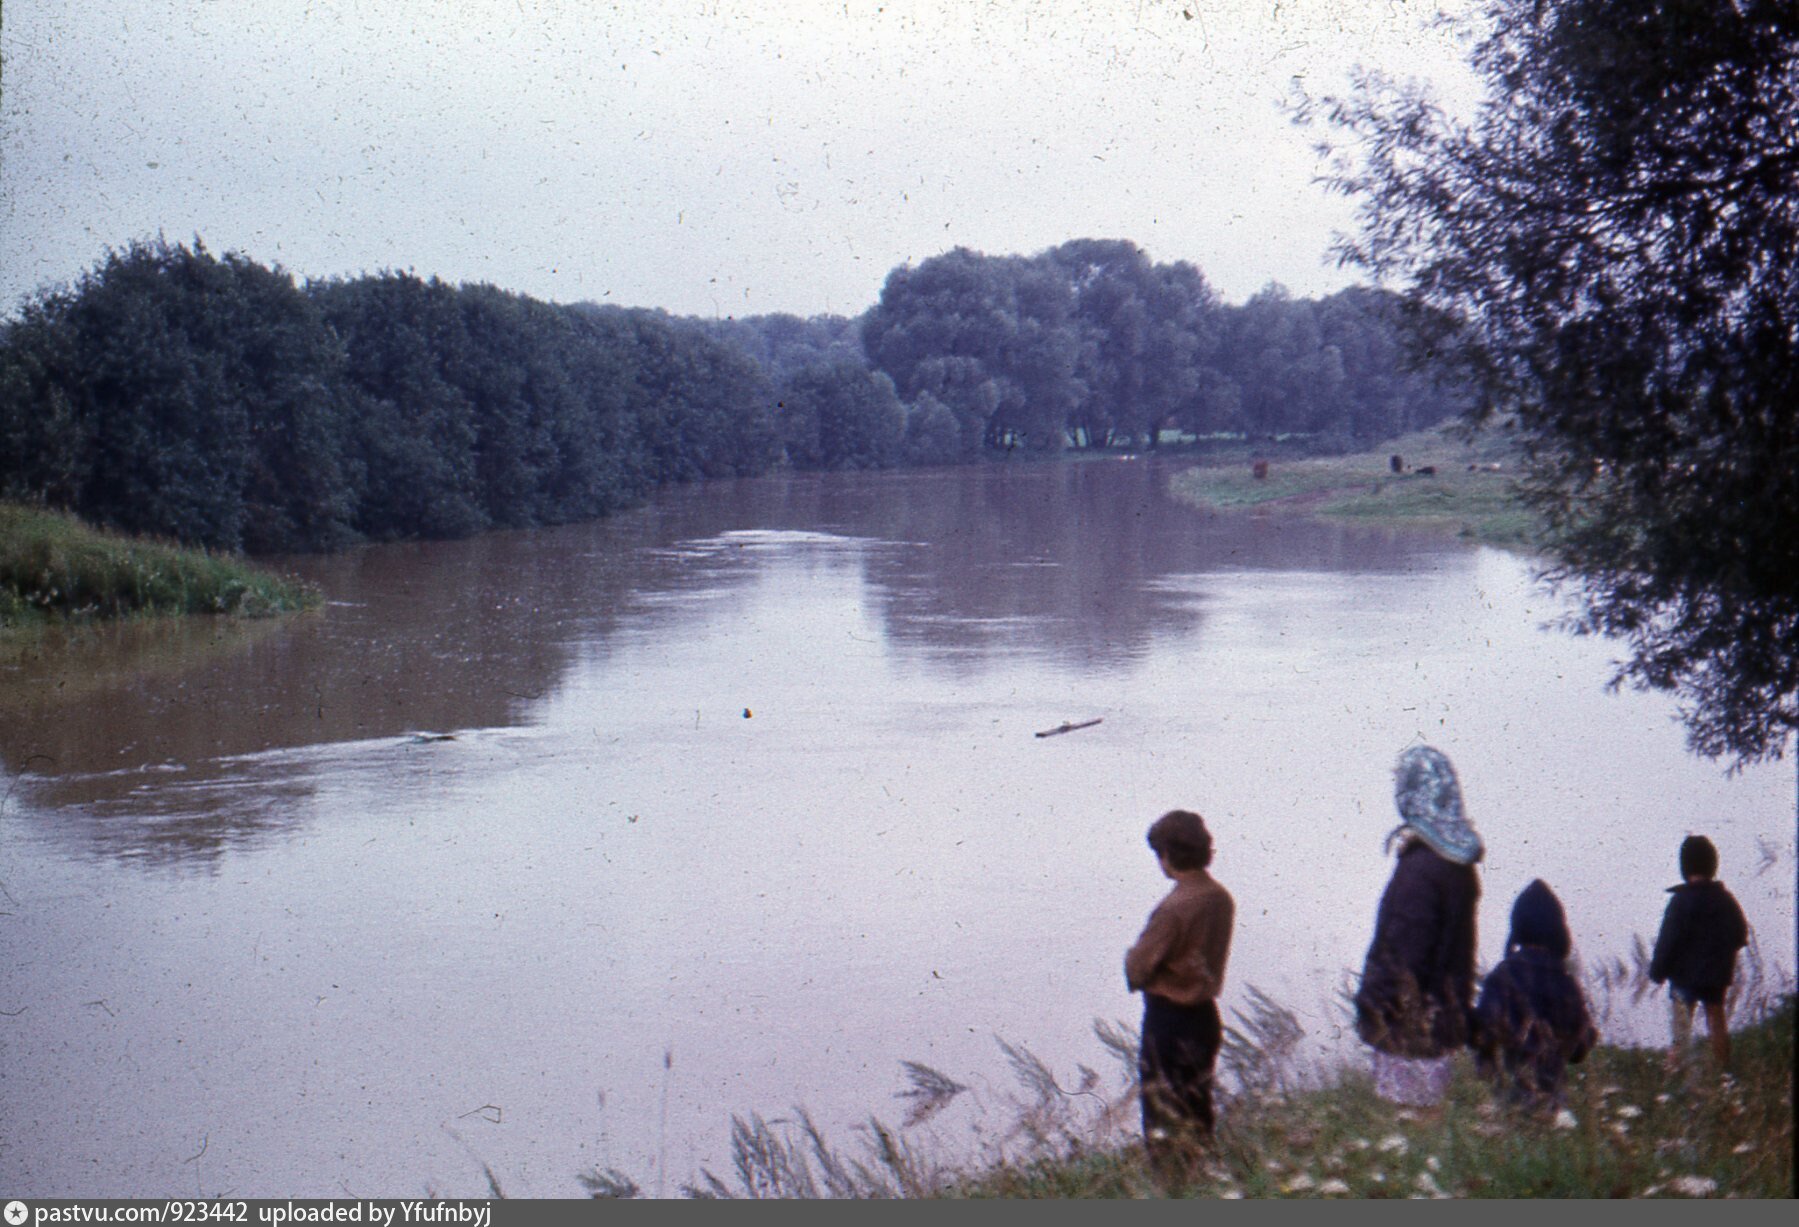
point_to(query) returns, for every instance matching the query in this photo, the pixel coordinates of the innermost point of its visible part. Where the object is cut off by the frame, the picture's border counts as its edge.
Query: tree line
(218, 402)
(1092, 344)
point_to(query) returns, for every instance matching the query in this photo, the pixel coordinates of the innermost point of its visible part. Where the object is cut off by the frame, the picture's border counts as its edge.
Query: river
(547, 852)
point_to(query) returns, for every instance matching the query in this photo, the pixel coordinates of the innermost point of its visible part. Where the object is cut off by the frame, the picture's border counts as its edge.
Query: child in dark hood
(1532, 1021)
(1418, 978)
(1696, 950)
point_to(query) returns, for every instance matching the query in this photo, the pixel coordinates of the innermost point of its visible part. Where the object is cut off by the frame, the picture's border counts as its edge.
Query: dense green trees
(946, 329)
(704, 408)
(1092, 344)
(412, 439)
(1615, 232)
(217, 402)
(176, 393)
(1145, 333)
(841, 415)
(782, 345)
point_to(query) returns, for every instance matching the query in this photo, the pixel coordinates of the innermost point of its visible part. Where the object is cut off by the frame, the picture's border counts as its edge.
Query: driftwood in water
(1066, 727)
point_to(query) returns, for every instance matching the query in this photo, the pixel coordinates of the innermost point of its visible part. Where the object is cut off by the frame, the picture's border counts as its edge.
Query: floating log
(1066, 727)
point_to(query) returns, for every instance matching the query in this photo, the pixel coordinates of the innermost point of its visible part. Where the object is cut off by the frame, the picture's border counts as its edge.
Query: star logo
(16, 1213)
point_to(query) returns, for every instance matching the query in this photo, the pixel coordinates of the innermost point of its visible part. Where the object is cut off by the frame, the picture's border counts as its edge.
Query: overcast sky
(710, 157)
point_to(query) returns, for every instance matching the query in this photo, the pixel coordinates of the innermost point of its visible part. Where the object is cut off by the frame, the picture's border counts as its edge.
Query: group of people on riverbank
(1417, 1005)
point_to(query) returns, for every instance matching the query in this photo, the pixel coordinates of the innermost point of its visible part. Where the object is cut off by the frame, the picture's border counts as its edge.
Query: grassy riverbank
(1464, 487)
(1630, 1128)
(54, 568)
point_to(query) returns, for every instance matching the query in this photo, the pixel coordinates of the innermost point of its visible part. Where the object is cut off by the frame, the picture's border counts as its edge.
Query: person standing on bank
(1178, 965)
(1417, 986)
(1696, 949)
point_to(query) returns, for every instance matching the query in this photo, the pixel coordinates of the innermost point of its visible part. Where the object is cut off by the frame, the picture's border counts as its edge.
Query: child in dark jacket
(1696, 950)
(1531, 1021)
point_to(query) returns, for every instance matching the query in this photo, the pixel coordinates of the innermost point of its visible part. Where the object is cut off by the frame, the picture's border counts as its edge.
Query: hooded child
(1417, 984)
(1532, 1020)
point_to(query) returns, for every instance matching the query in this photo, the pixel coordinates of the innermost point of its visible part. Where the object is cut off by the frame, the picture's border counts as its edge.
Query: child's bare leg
(1717, 1026)
(1681, 1017)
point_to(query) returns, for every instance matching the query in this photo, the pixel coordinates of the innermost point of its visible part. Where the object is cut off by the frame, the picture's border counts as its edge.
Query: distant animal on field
(1260, 469)
(1426, 470)
(1396, 462)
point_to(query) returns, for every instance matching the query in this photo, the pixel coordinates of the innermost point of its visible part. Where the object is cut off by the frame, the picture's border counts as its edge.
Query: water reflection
(163, 743)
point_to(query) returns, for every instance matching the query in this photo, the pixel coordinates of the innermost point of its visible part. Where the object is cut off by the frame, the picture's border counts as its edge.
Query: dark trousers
(1174, 1066)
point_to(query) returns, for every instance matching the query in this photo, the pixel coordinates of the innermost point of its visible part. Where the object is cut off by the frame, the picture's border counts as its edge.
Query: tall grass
(1629, 1126)
(54, 568)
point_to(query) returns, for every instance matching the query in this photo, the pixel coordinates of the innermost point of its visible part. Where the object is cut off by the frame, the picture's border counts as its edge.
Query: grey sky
(708, 157)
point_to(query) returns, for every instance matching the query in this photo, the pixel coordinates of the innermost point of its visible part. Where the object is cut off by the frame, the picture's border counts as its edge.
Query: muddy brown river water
(547, 852)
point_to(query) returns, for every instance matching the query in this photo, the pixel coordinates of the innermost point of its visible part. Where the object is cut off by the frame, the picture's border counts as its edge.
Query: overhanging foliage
(1616, 232)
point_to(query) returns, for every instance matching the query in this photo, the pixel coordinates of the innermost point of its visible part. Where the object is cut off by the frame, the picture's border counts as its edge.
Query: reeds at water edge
(1630, 1126)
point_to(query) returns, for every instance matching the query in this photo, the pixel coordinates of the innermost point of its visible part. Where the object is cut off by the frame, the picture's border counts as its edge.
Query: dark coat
(1418, 979)
(1702, 930)
(1532, 1021)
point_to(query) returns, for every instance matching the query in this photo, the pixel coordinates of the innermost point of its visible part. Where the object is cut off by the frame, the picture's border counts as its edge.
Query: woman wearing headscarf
(1418, 979)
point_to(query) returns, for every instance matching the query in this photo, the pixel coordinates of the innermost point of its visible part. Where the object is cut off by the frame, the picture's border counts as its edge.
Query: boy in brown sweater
(1178, 965)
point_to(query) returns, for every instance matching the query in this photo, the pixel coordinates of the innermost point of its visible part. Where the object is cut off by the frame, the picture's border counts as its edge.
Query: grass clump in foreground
(54, 568)
(1630, 1128)
(1448, 483)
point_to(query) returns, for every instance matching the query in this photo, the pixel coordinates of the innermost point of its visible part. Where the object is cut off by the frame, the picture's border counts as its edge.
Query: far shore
(55, 569)
(1430, 480)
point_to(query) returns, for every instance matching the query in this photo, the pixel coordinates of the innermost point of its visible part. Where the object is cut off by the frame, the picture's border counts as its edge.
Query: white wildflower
(1662, 1098)
(1693, 1186)
(1432, 1163)
(1743, 1148)
(1358, 1144)
(1630, 1111)
(1611, 1090)
(1621, 1129)
(1429, 1187)
(1651, 1191)
(1301, 1183)
(1231, 1195)
(1565, 1119)
(1334, 1188)
(1393, 1144)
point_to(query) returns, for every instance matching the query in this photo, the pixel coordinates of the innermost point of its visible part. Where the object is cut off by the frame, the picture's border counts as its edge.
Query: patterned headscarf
(1430, 802)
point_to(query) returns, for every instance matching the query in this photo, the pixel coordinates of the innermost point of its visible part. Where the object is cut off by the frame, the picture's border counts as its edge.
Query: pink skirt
(1416, 1082)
